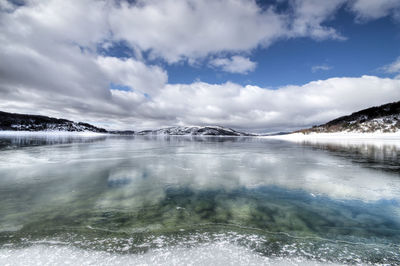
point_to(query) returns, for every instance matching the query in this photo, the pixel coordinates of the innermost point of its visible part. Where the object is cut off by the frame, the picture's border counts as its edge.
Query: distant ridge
(25, 122)
(195, 131)
(384, 119)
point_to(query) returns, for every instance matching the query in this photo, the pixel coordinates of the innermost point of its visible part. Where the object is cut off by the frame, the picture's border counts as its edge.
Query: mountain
(23, 122)
(195, 131)
(384, 118)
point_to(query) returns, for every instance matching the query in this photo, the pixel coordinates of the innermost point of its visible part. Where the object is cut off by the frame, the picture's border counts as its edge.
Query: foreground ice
(109, 200)
(206, 254)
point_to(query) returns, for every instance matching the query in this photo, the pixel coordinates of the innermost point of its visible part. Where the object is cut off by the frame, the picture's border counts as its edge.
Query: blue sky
(260, 66)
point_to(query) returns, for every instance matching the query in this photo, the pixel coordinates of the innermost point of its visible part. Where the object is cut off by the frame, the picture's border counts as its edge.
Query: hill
(383, 119)
(194, 131)
(24, 122)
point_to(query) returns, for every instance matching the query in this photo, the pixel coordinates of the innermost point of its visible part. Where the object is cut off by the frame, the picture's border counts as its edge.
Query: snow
(206, 254)
(382, 124)
(362, 124)
(376, 138)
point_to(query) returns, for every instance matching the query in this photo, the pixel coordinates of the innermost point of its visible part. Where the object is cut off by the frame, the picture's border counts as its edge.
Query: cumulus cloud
(309, 16)
(243, 107)
(176, 30)
(49, 64)
(133, 73)
(372, 9)
(253, 107)
(235, 64)
(172, 30)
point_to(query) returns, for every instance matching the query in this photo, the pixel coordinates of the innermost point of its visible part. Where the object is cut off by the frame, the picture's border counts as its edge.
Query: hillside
(24, 122)
(383, 119)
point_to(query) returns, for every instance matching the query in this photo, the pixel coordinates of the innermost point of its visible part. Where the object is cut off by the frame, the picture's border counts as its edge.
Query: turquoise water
(181, 200)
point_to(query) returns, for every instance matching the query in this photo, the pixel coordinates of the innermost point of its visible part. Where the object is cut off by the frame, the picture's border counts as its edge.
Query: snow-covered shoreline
(342, 138)
(338, 135)
(290, 137)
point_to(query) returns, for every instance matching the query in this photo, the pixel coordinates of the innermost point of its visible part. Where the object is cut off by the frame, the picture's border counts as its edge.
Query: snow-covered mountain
(23, 122)
(195, 131)
(382, 119)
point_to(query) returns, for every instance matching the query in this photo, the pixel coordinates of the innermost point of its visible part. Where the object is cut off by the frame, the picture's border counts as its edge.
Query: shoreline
(288, 137)
(336, 135)
(379, 140)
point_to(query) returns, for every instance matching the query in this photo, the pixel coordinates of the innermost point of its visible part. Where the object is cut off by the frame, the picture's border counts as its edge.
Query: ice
(55, 133)
(206, 254)
(314, 195)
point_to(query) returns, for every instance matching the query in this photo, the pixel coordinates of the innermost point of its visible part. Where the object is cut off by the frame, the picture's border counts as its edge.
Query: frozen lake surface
(109, 200)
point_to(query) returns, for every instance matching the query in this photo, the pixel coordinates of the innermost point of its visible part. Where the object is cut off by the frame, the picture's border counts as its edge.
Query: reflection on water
(28, 140)
(129, 195)
(381, 156)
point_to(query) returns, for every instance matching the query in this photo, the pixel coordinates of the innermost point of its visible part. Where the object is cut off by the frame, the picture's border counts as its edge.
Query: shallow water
(182, 200)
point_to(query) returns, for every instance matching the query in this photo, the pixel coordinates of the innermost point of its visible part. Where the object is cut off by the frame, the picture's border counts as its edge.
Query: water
(181, 200)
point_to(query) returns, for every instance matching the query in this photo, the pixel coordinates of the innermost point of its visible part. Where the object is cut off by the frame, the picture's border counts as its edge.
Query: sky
(257, 66)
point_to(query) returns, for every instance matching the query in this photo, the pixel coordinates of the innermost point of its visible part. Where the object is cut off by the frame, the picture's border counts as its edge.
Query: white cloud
(252, 107)
(309, 16)
(132, 73)
(176, 30)
(173, 30)
(235, 64)
(48, 64)
(320, 68)
(374, 9)
(243, 107)
(393, 68)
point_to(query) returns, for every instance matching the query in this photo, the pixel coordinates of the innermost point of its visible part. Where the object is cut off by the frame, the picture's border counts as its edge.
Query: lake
(197, 200)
